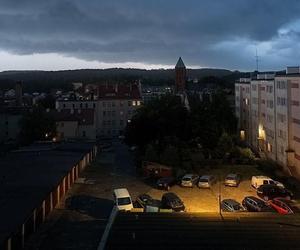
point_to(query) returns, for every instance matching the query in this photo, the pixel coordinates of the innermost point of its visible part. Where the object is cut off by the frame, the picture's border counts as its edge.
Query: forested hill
(46, 80)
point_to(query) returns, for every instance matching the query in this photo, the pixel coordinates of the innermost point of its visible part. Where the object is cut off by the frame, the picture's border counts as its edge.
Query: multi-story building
(269, 116)
(114, 106)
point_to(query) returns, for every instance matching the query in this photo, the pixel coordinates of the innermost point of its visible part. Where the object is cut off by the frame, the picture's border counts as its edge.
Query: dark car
(148, 203)
(230, 205)
(172, 201)
(166, 183)
(269, 192)
(142, 200)
(254, 204)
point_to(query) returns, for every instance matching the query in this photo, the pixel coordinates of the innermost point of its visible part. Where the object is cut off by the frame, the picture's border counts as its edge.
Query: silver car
(189, 180)
(207, 181)
(232, 180)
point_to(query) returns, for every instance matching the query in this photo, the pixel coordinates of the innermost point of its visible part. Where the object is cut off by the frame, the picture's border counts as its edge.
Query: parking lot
(207, 200)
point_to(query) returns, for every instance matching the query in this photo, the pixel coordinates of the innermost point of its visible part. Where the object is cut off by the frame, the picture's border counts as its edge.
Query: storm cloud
(219, 33)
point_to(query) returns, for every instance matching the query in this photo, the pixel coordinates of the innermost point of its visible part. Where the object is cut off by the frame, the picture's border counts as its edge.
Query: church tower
(180, 72)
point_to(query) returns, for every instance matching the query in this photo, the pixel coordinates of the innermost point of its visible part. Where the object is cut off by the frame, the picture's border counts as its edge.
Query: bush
(268, 166)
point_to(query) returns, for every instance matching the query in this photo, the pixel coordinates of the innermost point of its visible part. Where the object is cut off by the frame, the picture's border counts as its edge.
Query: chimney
(19, 94)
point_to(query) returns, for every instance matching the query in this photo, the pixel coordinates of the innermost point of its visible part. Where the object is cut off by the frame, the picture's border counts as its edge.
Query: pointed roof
(180, 63)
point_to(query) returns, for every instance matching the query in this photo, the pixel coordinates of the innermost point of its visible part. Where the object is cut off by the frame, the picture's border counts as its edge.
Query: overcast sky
(61, 34)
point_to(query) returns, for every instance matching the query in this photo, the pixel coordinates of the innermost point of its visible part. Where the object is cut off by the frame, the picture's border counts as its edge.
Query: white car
(258, 180)
(122, 199)
(207, 181)
(189, 180)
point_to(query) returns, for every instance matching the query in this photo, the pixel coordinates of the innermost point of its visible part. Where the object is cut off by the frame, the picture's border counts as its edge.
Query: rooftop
(29, 175)
(180, 63)
(204, 231)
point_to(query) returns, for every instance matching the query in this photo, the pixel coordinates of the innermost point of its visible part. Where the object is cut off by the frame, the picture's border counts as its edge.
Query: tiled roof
(119, 91)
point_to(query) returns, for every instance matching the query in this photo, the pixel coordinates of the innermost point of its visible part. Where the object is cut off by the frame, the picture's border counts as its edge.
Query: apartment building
(269, 116)
(113, 105)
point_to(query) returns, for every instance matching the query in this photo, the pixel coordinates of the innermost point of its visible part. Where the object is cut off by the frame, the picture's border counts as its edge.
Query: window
(94, 105)
(281, 117)
(281, 85)
(73, 105)
(83, 134)
(270, 104)
(86, 105)
(129, 103)
(64, 105)
(138, 103)
(295, 103)
(297, 121)
(113, 104)
(270, 89)
(80, 105)
(104, 113)
(281, 101)
(269, 147)
(133, 103)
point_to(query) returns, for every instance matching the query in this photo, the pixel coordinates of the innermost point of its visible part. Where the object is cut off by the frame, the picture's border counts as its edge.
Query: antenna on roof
(256, 59)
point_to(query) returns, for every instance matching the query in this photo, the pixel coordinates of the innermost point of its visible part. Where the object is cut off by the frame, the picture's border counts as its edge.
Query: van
(122, 199)
(257, 181)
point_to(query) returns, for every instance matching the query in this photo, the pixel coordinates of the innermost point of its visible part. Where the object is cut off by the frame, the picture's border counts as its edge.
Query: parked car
(148, 203)
(254, 204)
(230, 205)
(172, 201)
(271, 191)
(143, 199)
(122, 199)
(207, 181)
(257, 181)
(232, 180)
(284, 206)
(152, 206)
(189, 180)
(166, 182)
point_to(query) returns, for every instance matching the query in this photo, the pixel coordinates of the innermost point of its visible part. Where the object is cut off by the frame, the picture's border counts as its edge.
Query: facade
(75, 123)
(10, 126)
(268, 113)
(113, 107)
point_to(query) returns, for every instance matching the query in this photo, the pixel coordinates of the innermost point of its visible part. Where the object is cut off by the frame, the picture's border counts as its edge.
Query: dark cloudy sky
(68, 34)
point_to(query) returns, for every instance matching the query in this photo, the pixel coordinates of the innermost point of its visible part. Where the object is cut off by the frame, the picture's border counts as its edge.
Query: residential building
(10, 126)
(75, 123)
(268, 112)
(114, 106)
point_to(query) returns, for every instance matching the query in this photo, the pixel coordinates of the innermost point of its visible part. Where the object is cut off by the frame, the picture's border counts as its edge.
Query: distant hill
(43, 81)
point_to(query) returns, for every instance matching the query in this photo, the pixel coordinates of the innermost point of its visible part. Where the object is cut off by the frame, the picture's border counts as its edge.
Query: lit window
(133, 103)
(138, 103)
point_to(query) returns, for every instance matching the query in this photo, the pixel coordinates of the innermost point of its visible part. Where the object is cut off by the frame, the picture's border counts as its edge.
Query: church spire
(179, 63)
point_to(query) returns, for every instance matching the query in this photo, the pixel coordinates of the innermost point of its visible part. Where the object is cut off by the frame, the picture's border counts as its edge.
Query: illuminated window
(133, 103)
(242, 135)
(138, 103)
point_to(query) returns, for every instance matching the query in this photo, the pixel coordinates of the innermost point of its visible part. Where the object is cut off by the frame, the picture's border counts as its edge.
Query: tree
(36, 125)
(225, 145)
